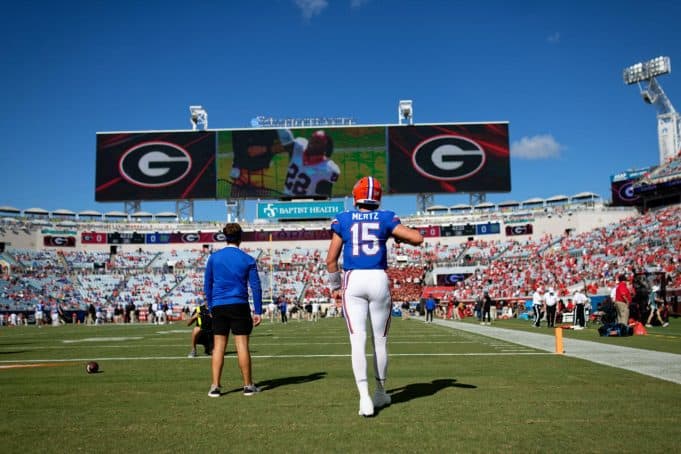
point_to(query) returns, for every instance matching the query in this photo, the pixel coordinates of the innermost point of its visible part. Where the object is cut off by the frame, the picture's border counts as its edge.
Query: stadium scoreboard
(622, 186)
(293, 163)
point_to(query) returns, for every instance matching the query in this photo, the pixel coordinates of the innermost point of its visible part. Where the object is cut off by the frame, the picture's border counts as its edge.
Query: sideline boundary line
(660, 365)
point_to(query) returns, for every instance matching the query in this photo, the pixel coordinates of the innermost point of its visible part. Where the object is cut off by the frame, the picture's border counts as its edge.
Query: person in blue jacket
(431, 304)
(229, 273)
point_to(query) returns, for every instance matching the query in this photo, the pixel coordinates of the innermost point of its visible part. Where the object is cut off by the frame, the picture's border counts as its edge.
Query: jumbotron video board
(295, 163)
(622, 186)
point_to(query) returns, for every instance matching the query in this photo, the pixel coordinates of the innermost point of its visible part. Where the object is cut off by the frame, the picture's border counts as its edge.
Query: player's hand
(337, 295)
(257, 319)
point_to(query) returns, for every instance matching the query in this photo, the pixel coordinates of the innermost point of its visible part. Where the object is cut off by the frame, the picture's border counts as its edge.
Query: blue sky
(551, 69)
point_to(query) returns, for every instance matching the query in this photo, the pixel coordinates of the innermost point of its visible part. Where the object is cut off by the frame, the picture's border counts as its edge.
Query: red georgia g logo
(448, 158)
(155, 164)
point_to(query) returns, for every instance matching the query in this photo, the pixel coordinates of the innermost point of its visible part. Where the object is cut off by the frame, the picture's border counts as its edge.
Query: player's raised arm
(407, 235)
(284, 143)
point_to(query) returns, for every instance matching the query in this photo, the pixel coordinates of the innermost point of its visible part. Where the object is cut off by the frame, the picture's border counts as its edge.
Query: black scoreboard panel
(457, 230)
(125, 238)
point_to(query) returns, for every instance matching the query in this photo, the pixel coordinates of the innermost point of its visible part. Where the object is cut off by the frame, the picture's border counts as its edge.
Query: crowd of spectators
(508, 269)
(406, 282)
(669, 170)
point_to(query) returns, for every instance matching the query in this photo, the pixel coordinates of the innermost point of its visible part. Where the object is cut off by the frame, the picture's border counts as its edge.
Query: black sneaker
(214, 391)
(250, 390)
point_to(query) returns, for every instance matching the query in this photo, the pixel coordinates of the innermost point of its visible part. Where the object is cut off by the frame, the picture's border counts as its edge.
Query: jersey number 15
(364, 241)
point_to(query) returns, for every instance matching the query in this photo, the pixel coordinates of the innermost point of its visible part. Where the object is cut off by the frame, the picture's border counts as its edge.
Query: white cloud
(536, 147)
(311, 8)
(553, 38)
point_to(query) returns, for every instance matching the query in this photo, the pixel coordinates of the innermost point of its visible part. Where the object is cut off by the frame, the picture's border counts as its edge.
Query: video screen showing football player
(253, 152)
(311, 172)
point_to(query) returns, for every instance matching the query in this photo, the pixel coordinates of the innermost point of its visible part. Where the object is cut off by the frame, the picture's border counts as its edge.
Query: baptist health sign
(299, 210)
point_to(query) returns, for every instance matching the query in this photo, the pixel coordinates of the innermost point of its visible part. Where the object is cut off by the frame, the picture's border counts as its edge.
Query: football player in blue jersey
(361, 234)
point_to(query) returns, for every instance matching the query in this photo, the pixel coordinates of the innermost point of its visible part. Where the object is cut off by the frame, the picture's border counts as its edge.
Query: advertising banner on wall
(450, 279)
(519, 229)
(93, 238)
(430, 231)
(59, 241)
(300, 210)
(287, 235)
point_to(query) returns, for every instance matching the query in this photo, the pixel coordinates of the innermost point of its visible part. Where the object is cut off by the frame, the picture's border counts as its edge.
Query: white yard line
(165, 358)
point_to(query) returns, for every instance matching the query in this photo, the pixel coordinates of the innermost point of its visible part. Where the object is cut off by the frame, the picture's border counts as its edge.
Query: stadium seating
(508, 267)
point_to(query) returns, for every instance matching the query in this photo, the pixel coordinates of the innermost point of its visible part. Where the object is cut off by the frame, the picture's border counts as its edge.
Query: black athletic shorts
(232, 317)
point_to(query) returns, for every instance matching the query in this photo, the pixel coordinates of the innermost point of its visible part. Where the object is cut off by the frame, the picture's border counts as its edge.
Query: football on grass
(92, 367)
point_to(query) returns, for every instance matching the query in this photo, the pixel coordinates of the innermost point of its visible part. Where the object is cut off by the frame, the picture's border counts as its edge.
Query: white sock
(363, 388)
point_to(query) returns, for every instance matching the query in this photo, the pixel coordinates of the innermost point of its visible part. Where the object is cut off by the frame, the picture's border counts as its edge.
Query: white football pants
(367, 292)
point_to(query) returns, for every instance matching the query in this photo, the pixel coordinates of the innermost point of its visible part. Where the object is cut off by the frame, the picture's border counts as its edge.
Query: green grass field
(452, 392)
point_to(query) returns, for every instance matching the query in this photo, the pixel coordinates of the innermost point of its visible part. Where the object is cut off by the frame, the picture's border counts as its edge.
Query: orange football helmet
(367, 191)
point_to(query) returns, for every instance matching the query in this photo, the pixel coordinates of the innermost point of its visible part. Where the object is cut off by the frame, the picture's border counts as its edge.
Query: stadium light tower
(668, 120)
(405, 111)
(198, 117)
(199, 120)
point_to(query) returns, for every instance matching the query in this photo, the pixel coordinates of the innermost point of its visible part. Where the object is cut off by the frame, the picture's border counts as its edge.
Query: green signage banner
(300, 210)
(58, 232)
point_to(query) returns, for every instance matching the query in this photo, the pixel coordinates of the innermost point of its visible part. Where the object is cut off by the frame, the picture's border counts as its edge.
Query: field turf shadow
(268, 385)
(416, 390)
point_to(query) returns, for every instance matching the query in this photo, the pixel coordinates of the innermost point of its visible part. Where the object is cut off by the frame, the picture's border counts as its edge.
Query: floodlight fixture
(647, 70)
(198, 117)
(645, 74)
(405, 111)
(648, 96)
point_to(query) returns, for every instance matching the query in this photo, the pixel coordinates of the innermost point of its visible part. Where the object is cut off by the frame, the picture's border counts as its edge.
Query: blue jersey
(364, 235)
(228, 271)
